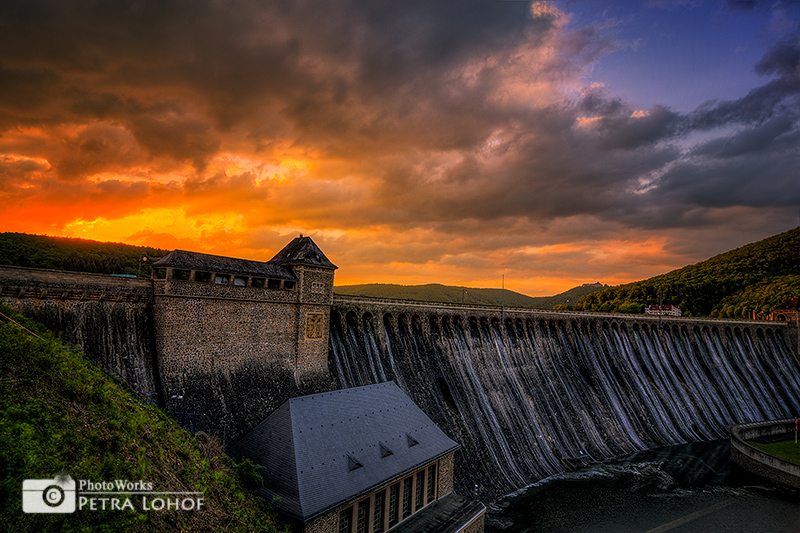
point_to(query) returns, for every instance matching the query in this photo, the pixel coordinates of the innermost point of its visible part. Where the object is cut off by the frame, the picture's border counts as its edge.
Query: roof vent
(385, 452)
(411, 440)
(352, 463)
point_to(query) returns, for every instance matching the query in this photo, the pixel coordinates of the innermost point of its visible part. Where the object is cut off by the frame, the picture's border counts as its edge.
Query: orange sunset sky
(554, 143)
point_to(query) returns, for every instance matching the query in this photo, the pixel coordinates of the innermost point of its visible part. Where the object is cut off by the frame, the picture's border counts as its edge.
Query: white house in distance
(663, 310)
(360, 460)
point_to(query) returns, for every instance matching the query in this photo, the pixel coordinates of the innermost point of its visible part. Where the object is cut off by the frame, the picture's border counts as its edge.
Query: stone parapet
(196, 289)
(38, 283)
(376, 305)
(356, 307)
(761, 463)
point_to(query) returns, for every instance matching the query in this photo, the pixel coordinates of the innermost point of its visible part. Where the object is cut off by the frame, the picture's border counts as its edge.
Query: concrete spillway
(528, 397)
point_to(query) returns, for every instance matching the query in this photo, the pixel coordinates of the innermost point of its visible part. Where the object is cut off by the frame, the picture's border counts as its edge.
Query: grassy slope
(756, 277)
(62, 415)
(444, 293)
(788, 451)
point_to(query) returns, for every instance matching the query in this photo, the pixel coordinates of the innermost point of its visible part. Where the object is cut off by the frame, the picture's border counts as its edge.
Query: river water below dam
(677, 489)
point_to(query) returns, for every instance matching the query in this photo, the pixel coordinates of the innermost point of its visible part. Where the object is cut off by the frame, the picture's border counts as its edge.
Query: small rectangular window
(431, 483)
(418, 494)
(202, 277)
(346, 520)
(407, 482)
(274, 284)
(380, 503)
(239, 281)
(182, 275)
(318, 287)
(394, 495)
(363, 516)
(258, 283)
(289, 285)
(160, 273)
(221, 279)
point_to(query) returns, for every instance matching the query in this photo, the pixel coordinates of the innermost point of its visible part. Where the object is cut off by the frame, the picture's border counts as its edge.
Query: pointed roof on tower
(302, 251)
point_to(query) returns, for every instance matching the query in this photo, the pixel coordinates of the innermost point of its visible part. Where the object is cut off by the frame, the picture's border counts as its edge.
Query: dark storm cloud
(776, 96)
(319, 69)
(97, 148)
(782, 58)
(442, 111)
(775, 135)
(629, 132)
(720, 183)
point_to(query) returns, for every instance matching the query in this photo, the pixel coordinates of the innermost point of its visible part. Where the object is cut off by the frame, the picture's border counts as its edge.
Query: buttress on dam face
(526, 393)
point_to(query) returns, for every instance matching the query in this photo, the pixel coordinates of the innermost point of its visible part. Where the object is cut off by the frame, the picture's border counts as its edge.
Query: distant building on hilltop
(663, 310)
(360, 460)
(787, 311)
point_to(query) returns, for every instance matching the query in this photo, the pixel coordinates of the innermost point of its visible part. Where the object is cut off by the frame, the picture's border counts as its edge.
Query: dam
(532, 393)
(527, 393)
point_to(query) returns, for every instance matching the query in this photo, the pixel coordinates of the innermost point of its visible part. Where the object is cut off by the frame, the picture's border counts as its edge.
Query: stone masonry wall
(230, 354)
(108, 317)
(313, 322)
(327, 523)
(446, 475)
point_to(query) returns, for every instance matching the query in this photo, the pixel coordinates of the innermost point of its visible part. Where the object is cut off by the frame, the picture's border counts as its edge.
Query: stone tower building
(235, 338)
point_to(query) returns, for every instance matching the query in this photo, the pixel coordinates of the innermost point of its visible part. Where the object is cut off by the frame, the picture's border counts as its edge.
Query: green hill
(60, 414)
(755, 277)
(435, 292)
(81, 255)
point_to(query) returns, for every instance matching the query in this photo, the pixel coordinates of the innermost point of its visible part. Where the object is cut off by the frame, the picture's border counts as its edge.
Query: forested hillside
(60, 253)
(754, 278)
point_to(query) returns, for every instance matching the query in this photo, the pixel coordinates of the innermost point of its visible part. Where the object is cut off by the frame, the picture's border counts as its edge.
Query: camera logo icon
(49, 495)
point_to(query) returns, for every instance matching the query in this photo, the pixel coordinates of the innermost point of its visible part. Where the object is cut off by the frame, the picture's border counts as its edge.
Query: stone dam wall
(222, 356)
(526, 393)
(108, 317)
(530, 393)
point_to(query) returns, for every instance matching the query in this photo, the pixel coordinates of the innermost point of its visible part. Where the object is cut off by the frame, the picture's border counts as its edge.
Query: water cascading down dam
(529, 394)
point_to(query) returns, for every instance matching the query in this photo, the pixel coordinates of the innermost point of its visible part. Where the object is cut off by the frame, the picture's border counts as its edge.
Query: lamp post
(142, 258)
(503, 301)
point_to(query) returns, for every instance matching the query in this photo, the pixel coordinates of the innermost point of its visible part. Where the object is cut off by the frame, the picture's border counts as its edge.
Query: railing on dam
(365, 306)
(380, 306)
(44, 284)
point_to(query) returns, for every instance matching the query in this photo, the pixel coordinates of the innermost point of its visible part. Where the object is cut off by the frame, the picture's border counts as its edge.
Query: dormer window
(353, 464)
(385, 451)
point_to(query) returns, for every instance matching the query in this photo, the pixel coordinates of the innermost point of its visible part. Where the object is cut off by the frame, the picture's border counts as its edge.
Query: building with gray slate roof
(360, 460)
